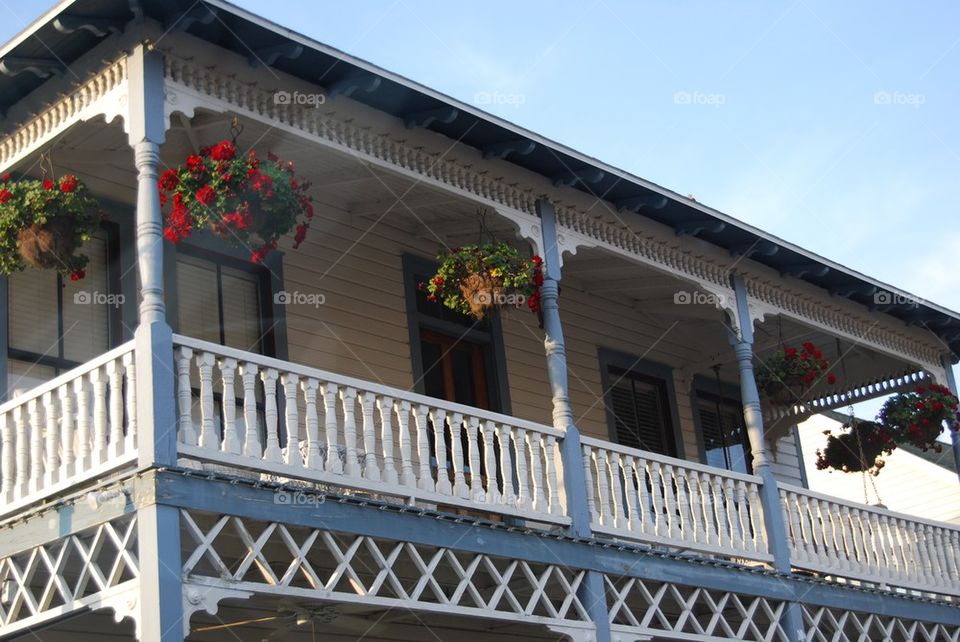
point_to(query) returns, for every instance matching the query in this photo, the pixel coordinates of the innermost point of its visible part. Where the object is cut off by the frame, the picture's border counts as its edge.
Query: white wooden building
(232, 451)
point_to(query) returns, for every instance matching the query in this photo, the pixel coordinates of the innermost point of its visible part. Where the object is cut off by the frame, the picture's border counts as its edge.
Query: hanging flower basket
(43, 223)
(787, 375)
(477, 279)
(858, 450)
(917, 418)
(244, 200)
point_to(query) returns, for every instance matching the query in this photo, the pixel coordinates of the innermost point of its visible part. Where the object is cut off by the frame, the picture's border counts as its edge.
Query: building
(614, 476)
(918, 483)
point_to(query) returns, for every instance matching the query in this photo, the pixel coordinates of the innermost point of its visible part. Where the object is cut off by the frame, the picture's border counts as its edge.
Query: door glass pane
(430, 352)
(241, 310)
(724, 434)
(198, 307)
(87, 307)
(464, 383)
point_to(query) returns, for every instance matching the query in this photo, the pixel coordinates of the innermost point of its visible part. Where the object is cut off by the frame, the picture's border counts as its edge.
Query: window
(640, 411)
(723, 432)
(55, 324)
(223, 301)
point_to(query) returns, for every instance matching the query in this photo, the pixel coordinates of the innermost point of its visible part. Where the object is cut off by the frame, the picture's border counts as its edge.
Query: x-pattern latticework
(649, 607)
(839, 625)
(67, 573)
(286, 559)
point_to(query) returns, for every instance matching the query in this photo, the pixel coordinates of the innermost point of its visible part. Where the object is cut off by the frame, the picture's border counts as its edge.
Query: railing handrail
(672, 461)
(397, 393)
(66, 377)
(865, 507)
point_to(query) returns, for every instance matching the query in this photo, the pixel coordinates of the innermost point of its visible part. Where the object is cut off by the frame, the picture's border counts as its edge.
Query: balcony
(297, 428)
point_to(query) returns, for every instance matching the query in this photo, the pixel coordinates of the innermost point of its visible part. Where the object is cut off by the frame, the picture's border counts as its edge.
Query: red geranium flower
(76, 275)
(169, 180)
(5, 195)
(68, 184)
(205, 195)
(48, 184)
(831, 378)
(223, 151)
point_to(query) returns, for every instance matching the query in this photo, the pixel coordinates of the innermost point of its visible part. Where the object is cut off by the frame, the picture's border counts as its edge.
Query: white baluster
(36, 446)
(385, 408)
(591, 485)
(682, 491)
(115, 379)
(330, 429)
(407, 477)
(743, 522)
(291, 420)
(23, 452)
(697, 518)
(348, 397)
(524, 500)
(251, 442)
(488, 431)
(456, 456)
(130, 401)
(83, 424)
(603, 485)
(535, 446)
(472, 430)
(312, 422)
(551, 457)
(9, 459)
(424, 476)
(51, 464)
(802, 545)
(371, 469)
(188, 434)
(208, 430)
(99, 382)
(661, 528)
(271, 416)
(439, 423)
(729, 495)
(631, 511)
(508, 496)
(231, 434)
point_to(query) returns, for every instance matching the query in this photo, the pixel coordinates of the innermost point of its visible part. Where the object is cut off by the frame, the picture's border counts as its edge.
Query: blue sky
(831, 124)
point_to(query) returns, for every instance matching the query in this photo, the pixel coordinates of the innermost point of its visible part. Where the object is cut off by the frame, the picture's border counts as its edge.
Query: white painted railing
(75, 427)
(652, 498)
(847, 539)
(270, 416)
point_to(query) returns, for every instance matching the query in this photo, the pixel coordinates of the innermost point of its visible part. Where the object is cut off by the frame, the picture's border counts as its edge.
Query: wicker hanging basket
(50, 245)
(482, 293)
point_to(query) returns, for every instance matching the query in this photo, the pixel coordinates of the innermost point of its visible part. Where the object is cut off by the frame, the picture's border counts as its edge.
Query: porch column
(773, 513)
(158, 527)
(952, 384)
(592, 591)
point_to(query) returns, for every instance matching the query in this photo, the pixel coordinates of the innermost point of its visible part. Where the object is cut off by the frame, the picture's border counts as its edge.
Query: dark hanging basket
(784, 393)
(48, 246)
(858, 450)
(482, 293)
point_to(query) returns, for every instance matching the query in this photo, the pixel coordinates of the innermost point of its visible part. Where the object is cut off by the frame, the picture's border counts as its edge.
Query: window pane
(241, 310)
(724, 433)
(87, 308)
(33, 312)
(197, 299)
(23, 376)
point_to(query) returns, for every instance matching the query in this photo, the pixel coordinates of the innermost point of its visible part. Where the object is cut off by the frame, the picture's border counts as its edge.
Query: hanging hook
(235, 129)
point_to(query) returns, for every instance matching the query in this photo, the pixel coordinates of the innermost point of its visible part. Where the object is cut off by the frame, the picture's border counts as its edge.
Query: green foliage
(917, 417)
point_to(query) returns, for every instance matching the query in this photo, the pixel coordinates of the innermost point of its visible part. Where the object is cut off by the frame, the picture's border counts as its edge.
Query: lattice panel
(647, 607)
(837, 625)
(62, 574)
(281, 558)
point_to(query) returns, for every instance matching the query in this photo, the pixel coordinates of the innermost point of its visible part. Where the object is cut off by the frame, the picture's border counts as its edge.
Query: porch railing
(290, 421)
(78, 426)
(851, 540)
(639, 495)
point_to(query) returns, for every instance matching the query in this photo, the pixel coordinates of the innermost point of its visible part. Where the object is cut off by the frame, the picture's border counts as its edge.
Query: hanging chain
(235, 129)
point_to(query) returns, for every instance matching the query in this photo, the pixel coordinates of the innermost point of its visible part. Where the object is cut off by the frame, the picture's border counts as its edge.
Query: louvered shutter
(641, 418)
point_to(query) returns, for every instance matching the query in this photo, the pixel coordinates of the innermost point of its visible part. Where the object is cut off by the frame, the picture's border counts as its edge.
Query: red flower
(808, 346)
(300, 235)
(48, 184)
(262, 183)
(921, 405)
(437, 281)
(195, 164)
(223, 151)
(168, 180)
(5, 195)
(790, 353)
(921, 390)
(536, 260)
(5, 177)
(68, 184)
(831, 378)
(205, 195)
(76, 275)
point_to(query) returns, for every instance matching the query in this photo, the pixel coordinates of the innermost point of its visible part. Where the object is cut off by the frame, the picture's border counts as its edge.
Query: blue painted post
(592, 591)
(158, 527)
(773, 513)
(952, 384)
